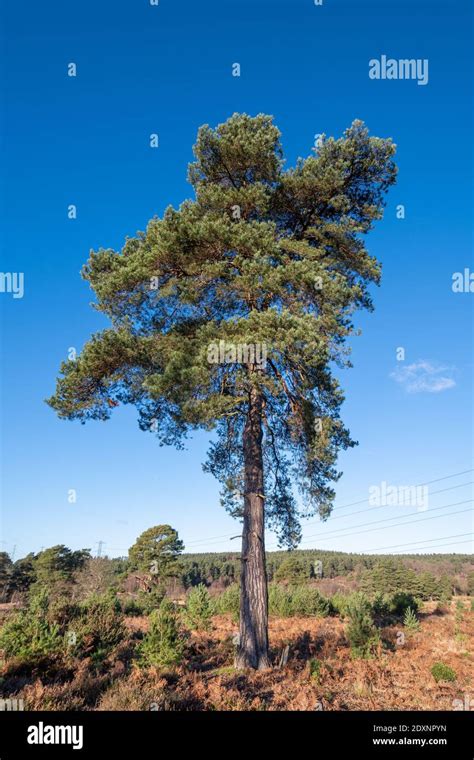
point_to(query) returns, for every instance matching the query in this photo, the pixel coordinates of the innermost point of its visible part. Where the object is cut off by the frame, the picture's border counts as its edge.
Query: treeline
(60, 567)
(434, 576)
(302, 565)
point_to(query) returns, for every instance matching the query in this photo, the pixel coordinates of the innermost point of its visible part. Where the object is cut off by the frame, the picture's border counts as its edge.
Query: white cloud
(424, 377)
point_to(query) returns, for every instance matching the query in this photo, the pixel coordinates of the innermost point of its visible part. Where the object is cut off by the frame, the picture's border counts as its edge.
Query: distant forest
(428, 576)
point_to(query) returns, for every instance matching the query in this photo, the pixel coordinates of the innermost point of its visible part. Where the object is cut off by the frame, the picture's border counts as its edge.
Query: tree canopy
(265, 257)
(156, 552)
(58, 563)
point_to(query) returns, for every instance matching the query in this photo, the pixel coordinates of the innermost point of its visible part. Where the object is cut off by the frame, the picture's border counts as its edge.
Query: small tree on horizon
(230, 314)
(156, 553)
(57, 564)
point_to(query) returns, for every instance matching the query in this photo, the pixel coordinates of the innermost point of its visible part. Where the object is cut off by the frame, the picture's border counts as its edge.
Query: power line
(427, 540)
(387, 519)
(226, 536)
(418, 485)
(357, 512)
(351, 504)
(345, 532)
(214, 539)
(370, 530)
(440, 546)
(371, 509)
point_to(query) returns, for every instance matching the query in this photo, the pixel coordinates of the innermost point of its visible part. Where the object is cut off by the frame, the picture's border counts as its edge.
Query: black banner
(99, 734)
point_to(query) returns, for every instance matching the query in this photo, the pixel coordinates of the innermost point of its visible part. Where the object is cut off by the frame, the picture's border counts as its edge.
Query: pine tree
(229, 314)
(361, 632)
(291, 569)
(163, 644)
(156, 552)
(58, 563)
(427, 585)
(199, 608)
(410, 620)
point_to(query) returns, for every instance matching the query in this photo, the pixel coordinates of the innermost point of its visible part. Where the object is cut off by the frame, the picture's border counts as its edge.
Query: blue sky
(85, 141)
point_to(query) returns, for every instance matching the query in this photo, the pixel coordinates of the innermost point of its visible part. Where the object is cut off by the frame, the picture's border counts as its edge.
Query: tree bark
(253, 644)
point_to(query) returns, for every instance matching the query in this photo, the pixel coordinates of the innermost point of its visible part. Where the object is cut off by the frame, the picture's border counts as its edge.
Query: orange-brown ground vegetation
(320, 674)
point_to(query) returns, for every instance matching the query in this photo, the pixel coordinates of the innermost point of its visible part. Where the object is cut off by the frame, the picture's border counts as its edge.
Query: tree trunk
(253, 644)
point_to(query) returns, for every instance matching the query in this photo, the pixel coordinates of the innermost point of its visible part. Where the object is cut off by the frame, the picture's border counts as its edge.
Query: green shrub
(143, 603)
(279, 600)
(149, 601)
(29, 634)
(343, 603)
(315, 667)
(61, 610)
(291, 569)
(339, 603)
(228, 601)
(198, 612)
(401, 602)
(442, 672)
(163, 645)
(410, 620)
(361, 632)
(132, 608)
(308, 602)
(303, 601)
(382, 605)
(459, 614)
(97, 628)
(27, 638)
